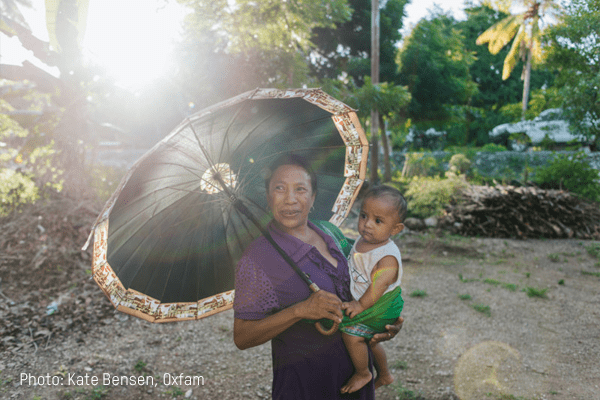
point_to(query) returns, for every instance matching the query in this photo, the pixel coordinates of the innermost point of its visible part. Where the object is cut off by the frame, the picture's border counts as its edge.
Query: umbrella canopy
(167, 241)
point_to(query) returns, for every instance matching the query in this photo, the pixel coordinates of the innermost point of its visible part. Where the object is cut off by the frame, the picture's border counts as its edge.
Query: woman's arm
(250, 333)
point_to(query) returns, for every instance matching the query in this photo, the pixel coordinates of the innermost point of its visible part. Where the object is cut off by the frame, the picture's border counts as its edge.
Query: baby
(375, 270)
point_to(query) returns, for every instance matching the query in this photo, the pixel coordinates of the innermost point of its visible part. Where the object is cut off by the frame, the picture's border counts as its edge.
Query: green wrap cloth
(374, 319)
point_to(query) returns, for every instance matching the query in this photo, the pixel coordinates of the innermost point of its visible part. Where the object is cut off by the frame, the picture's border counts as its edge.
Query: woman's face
(290, 197)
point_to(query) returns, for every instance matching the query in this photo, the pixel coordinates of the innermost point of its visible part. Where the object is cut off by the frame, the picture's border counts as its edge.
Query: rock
(431, 222)
(414, 224)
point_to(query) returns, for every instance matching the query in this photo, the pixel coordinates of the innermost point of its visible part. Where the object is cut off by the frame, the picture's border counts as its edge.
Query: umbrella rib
(229, 125)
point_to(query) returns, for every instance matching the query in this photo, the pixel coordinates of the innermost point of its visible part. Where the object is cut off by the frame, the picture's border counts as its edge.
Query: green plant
(175, 391)
(490, 281)
(561, 282)
(140, 366)
(597, 274)
(418, 293)
(16, 189)
(459, 163)
(406, 394)
(428, 196)
(510, 286)
(484, 309)
(594, 250)
(420, 164)
(536, 292)
(464, 296)
(98, 392)
(570, 172)
(400, 364)
(554, 257)
(493, 148)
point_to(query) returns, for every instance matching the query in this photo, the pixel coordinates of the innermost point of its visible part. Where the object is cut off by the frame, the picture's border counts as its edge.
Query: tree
(346, 49)
(525, 32)
(574, 49)
(389, 100)
(272, 36)
(434, 64)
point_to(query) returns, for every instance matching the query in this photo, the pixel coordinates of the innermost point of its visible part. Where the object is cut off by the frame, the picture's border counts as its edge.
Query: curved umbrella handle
(331, 330)
(314, 288)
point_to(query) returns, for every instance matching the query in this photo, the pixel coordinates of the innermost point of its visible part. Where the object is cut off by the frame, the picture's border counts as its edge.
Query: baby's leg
(359, 353)
(384, 377)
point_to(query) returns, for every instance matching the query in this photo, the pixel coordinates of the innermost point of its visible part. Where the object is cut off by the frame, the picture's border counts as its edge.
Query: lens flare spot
(210, 181)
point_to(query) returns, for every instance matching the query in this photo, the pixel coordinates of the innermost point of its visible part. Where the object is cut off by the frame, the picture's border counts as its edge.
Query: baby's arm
(383, 275)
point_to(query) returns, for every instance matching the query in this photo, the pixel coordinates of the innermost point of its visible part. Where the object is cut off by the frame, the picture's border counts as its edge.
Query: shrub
(570, 172)
(428, 196)
(420, 164)
(493, 148)
(16, 189)
(459, 163)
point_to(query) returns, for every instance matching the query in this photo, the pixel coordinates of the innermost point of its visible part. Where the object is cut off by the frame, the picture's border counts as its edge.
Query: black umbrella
(168, 240)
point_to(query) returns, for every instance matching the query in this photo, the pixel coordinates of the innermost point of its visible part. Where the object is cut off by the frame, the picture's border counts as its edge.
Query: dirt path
(471, 332)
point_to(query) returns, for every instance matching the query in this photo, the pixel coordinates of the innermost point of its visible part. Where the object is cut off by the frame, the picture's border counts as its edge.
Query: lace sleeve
(255, 296)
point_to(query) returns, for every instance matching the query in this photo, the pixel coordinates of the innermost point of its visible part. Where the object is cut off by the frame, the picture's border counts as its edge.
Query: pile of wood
(522, 212)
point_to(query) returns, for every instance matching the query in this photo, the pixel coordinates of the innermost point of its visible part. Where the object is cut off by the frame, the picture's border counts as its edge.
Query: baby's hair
(401, 204)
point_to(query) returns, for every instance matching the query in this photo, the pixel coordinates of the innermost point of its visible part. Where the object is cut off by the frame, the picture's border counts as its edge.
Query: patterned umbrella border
(145, 307)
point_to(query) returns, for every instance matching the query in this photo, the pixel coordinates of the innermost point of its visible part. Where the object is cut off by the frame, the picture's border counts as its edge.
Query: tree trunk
(374, 150)
(375, 80)
(387, 173)
(526, 79)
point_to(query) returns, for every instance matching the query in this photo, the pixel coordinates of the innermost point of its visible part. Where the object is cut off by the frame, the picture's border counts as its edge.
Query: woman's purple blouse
(306, 364)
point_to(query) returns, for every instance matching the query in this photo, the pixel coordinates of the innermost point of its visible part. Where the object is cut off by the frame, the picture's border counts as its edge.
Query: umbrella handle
(314, 288)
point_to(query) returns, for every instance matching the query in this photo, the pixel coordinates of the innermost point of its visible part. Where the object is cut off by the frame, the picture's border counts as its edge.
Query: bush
(459, 163)
(16, 189)
(428, 196)
(572, 173)
(420, 164)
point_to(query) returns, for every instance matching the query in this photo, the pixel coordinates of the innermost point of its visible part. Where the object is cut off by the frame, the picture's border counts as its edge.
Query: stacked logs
(522, 212)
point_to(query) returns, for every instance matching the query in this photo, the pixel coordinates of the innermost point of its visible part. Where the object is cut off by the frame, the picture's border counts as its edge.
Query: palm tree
(525, 32)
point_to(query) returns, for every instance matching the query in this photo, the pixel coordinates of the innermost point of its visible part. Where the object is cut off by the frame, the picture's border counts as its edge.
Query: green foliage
(572, 48)
(459, 164)
(403, 393)
(482, 308)
(434, 64)
(464, 296)
(420, 164)
(428, 196)
(536, 292)
(596, 274)
(493, 148)
(418, 293)
(140, 365)
(16, 189)
(570, 172)
(594, 250)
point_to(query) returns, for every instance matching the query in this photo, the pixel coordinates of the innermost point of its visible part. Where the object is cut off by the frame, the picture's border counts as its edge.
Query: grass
(464, 296)
(418, 293)
(596, 274)
(554, 257)
(175, 392)
(594, 250)
(400, 364)
(403, 393)
(140, 366)
(467, 280)
(482, 308)
(536, 292)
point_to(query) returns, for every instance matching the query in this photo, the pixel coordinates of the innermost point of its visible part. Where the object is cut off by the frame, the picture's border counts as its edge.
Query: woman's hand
(321, 304)
(392, 331)
(352, 308)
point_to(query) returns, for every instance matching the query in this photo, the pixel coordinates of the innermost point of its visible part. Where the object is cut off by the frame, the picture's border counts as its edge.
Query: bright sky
(133, 38)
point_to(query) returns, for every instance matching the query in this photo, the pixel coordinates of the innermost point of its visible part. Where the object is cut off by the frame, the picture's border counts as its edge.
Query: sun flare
(133, 39)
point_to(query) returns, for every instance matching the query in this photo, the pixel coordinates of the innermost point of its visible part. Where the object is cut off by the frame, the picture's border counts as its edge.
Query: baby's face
(378, 220)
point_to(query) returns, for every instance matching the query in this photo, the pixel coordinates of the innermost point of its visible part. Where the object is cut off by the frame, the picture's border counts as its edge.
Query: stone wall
(509, 164)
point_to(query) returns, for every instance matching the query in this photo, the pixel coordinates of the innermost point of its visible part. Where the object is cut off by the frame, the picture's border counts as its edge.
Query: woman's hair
(292, 159)
(400, 202)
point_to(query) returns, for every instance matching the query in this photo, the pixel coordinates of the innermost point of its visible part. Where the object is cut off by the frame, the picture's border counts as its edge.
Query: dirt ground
(484, 319)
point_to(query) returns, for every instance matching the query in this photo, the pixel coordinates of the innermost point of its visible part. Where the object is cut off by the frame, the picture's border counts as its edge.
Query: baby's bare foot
(357, 381)
(383, 380)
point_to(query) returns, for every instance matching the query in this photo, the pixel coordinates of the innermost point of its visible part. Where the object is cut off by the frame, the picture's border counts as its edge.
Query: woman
(272, 301)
